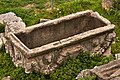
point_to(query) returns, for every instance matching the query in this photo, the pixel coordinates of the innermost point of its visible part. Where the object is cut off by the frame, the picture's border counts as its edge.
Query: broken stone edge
(103, 72)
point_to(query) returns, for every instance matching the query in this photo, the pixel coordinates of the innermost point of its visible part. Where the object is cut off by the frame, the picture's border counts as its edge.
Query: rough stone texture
(107, 4)
(110, 71)
(1, 39)
(6, 78)
(44, 20)
(43, 47)
(84, 73)
(13, 24)
(117, 56)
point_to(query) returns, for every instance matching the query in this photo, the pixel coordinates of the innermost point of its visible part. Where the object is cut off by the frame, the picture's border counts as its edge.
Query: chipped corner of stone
(84, 73)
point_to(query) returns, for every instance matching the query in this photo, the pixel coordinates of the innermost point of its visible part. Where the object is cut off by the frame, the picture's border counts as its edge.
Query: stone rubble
(6, 78)
(84, 73)
(110, 71)
(107, 4)
(12, 24)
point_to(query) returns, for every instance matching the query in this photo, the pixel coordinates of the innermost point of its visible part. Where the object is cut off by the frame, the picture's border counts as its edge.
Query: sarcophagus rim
(39, 50)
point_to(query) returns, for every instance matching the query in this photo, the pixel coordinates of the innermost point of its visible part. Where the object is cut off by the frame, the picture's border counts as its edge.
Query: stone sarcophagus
(43, 47)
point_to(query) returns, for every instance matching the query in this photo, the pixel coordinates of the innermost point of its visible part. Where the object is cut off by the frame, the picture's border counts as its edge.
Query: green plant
(2, 28)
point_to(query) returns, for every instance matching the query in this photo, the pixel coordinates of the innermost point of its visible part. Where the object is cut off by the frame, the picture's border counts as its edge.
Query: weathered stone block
(110, 71)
